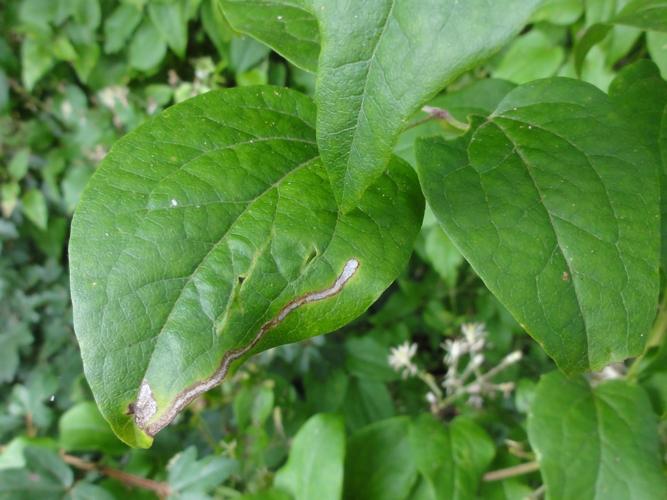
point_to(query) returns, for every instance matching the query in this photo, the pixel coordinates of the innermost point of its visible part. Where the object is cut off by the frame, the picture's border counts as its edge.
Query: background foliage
(344, 414)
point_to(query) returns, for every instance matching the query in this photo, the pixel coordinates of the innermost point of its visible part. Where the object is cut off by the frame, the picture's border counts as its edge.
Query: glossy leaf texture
(554, 201)
(381, 60)
(211, 233)
(287, 26)
(595, 442)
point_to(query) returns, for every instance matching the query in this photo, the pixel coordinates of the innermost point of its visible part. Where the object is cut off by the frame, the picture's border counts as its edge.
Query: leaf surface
(381, 60)
(287, 26)
(554, 202)
(315, 465)
(598, 443)
(211, 233)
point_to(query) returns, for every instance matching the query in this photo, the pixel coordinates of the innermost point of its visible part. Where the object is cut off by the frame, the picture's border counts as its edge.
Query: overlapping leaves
(211, 233)
(554, 201)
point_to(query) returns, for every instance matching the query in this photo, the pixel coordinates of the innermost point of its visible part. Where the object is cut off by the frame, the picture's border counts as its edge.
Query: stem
(438, 114)
(161, 489)
(517, 470)
(430, 381)
(655, 338)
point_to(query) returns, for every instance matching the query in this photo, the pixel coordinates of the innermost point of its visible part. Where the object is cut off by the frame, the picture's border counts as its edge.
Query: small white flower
(477, 361)
(475, 335)
(512, 358)
(400, 359)
(431, 398)
(455, 349)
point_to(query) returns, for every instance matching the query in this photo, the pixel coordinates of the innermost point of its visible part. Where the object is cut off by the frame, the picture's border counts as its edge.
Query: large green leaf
(381, 60)
(640, 94)
(285, 25)
(597, 443)
(315, 465)
(211, 233)
(555, 204)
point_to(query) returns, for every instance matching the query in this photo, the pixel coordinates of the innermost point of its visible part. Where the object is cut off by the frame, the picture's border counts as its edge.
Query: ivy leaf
(285, 25)
(315, 465)
(381, 60)
(595, 442)
(578, 271)
(210, 234)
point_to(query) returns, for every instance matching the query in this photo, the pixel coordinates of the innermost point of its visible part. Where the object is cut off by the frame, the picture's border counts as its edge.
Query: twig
(161, 489)
(517, 470)
(434, 113)
(655, 338)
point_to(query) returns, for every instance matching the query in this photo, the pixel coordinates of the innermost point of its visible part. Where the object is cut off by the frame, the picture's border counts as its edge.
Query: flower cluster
(464, 358)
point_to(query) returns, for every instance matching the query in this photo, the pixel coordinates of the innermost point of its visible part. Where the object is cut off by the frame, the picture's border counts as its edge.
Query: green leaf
(530, 57)
(382, 60)
(443, 255)
(379, 462)
(45, 475)
(82, 428)
(561, 12)
(18, 166)
(15, 336)
(187, 475)
(479, 98)
(644, 14)
(147, 47)
(34, 207)
(640, 94)
(285, 25)
(171, 21)
(119, 26)
(366, 401)
(315, 465)
(9, 195)
(87, 491)
(579, 272)
(245, 52)
(367, 359)
(595, 442)
(36, 61)
(451, 458)
(210, 234)
(656, 44)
